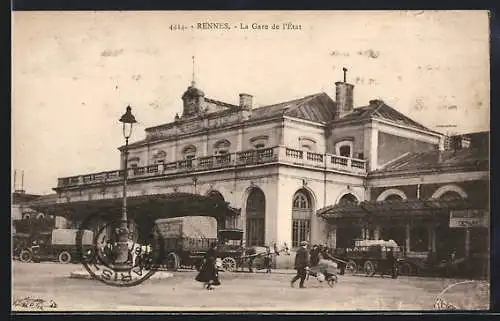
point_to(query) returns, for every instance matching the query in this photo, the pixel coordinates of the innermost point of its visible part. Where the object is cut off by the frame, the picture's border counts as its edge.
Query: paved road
(239, 291)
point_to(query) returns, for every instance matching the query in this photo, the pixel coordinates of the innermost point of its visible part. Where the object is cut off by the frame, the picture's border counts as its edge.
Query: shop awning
(155, 206)
(392, 209)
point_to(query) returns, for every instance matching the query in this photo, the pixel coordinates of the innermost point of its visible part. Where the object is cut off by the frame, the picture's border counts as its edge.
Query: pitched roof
(317, 108)
(379, 109)
(467, 158)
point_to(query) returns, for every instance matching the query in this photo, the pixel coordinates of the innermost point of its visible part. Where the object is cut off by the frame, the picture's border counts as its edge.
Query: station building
(312, 168)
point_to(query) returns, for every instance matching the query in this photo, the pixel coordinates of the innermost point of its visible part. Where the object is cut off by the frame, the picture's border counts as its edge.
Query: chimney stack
(246, 101)
(344, 97)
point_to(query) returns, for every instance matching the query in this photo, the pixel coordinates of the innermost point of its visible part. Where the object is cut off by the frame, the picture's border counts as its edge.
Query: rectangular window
(300, 232)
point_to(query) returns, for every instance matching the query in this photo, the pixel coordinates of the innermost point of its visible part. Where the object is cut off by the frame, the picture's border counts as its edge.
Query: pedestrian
(314, 255)
(301, 264)
(208, 274)
(268, 259)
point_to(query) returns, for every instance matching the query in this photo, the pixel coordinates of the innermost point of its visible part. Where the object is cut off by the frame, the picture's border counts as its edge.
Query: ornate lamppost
(121, 258)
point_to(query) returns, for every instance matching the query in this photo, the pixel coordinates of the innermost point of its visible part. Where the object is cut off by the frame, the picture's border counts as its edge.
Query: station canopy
(393, 209)
(155, 206)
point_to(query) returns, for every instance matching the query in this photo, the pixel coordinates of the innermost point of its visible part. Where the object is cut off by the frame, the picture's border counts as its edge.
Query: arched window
(221, 151)
(259, 141)
(256, 214)
(189, 153)
(300, 201)
(450, 196)
(393, 198)
(222, 147)
(133, 162)
(307, 144)
(348, 199)
(159, 156)
(301, 217)
(344, 148)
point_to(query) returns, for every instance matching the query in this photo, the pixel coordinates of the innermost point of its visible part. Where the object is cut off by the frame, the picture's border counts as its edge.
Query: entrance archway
(347, 232)
(393, 231)
(255, 218)
(216, 195)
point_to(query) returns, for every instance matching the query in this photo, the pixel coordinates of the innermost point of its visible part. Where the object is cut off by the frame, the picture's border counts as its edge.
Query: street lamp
(121, 258)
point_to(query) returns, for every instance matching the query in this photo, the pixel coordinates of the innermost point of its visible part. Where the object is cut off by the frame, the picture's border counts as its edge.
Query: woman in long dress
(209, 274)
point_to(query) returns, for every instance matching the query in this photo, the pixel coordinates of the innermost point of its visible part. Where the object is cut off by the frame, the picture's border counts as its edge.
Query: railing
(279, 154)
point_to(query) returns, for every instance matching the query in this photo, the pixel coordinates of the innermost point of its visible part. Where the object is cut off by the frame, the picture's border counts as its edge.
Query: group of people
(209, 272)
(306, 260)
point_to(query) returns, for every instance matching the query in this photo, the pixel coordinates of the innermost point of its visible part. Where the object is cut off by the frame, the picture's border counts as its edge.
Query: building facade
(283, 164)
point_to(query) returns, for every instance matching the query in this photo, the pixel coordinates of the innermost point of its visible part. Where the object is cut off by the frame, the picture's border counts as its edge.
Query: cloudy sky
(75, 72)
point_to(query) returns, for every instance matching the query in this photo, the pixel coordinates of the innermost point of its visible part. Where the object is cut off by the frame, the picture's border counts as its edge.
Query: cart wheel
(64, 257)
(229, 264)
(406, 269)
(332, 281)
(351, 267)
(173, 261)
(25, 256)
(369, 268)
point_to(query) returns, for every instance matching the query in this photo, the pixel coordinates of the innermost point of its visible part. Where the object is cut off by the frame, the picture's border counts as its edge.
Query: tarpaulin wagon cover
(190, 233)
(68, 237)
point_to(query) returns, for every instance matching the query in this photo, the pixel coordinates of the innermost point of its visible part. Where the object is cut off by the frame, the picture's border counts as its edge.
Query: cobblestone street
(239, 291)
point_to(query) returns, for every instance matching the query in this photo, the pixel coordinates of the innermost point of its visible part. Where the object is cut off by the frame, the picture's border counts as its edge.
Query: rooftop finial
(345, 74)
(193, 83)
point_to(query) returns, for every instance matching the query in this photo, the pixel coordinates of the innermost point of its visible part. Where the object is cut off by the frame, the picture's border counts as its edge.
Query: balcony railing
(279, 154)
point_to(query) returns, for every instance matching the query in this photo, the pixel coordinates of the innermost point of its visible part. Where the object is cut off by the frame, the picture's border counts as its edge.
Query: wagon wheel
(406, 269)
(369, 268)
(351, 267)
(229, 264)
(173, 261)
(332, 281)
(64, 257)
(25, 256)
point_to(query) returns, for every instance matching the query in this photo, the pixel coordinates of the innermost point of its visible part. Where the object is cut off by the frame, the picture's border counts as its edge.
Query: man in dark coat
(301, 264)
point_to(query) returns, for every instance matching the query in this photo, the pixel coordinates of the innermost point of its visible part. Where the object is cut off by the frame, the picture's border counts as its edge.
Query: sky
(74, 73)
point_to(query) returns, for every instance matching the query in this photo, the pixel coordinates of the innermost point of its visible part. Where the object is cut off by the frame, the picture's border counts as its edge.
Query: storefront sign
(469, 218)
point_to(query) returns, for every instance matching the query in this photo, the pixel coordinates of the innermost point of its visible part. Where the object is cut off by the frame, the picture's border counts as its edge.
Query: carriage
(372, 256)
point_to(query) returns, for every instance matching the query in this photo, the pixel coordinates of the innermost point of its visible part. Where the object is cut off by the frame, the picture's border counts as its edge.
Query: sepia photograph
(250, 161)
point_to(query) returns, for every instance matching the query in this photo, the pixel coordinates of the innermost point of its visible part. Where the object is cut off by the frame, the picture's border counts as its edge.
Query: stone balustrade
(277, 154)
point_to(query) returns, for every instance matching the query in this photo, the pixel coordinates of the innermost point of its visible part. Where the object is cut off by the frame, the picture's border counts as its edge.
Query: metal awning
(155, 206)
(393, 209)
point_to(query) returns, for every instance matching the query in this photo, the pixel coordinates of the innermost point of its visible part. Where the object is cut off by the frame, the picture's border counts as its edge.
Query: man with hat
(301, 264)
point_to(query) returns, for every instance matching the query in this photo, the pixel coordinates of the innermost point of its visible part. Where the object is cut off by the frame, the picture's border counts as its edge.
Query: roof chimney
(343, 97)
(246, 101)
